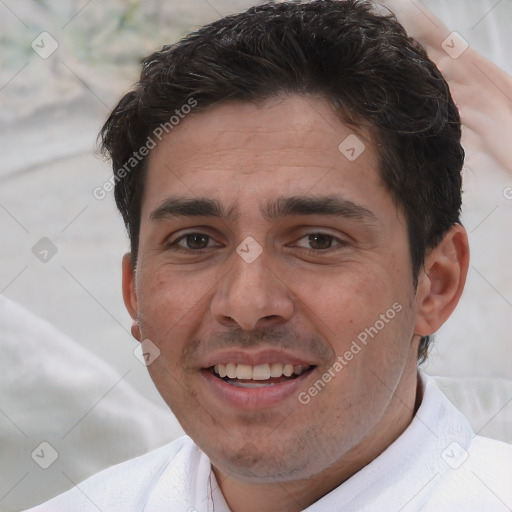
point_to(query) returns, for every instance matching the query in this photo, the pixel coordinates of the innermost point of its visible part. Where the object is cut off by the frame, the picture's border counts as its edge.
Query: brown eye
(320, 241)
(194, 241)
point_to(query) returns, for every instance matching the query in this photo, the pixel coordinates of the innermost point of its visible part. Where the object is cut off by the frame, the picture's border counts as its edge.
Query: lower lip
(254, 398)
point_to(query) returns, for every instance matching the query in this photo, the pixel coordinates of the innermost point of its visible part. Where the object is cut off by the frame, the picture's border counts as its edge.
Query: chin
(260, 462)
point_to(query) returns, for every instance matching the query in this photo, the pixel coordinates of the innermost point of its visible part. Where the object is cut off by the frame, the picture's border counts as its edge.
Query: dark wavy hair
(357, 58)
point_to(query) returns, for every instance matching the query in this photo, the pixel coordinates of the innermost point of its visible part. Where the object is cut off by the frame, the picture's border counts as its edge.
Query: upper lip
(255, 358)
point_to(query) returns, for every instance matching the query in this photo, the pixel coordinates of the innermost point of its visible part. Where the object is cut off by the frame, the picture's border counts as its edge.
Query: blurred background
(63, 66)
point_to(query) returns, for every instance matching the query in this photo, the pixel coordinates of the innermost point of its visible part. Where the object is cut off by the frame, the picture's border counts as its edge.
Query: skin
(308, 296)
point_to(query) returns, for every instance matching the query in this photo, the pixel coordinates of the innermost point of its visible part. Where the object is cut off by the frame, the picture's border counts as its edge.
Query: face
(274, 277)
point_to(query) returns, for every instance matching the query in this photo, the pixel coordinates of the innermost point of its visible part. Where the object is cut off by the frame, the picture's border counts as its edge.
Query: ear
(441, 281)
(130, 294)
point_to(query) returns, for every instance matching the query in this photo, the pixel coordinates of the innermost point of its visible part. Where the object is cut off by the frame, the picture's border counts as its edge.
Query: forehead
(240, 150)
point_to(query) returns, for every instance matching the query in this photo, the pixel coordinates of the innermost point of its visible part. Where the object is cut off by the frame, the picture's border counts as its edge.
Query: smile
(262, 375)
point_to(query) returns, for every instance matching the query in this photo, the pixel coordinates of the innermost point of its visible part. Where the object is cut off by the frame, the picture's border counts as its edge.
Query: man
(290, 179)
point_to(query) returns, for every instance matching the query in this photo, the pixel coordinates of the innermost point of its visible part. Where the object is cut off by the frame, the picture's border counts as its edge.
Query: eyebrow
(196, 207)
(274, 210)
(321, 205)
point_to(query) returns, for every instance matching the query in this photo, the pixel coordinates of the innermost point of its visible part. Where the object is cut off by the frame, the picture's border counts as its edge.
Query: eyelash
(175, 244)
(334, 240)
(338, 242)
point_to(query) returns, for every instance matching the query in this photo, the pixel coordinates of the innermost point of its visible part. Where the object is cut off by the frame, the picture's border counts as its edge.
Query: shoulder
(490, 462)
(124, 487)
(484, 448)
(478, 478)
(466, 472)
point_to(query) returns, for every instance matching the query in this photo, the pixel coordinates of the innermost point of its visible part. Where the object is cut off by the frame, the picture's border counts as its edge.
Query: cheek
(348, 301)
(367, 319)
(168, 306)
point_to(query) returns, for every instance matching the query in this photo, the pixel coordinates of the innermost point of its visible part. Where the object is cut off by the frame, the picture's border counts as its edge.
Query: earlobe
(442, 281)
(130, 294)
(135, 330)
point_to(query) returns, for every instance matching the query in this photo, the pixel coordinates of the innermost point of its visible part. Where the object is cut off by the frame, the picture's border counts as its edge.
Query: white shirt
(438, 464)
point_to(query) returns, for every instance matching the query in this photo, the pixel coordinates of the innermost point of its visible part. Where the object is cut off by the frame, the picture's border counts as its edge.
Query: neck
(294, 496)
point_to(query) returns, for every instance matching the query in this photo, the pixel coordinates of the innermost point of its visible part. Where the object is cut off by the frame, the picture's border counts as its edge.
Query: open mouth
(262, 375)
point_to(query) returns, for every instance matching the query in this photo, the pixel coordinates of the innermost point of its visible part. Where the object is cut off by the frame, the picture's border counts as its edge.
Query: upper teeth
(259, 372)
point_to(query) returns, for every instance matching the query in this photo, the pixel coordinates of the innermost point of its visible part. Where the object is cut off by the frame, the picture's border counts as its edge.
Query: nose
(252, 296)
